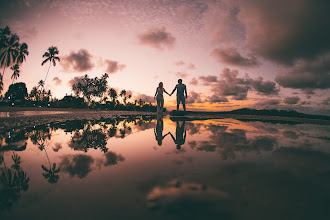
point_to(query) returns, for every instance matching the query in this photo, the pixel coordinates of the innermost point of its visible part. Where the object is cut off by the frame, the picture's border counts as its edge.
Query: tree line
(88, 92)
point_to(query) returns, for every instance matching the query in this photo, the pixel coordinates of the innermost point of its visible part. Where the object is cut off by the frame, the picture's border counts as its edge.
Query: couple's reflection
(180, 133)
(159, 130)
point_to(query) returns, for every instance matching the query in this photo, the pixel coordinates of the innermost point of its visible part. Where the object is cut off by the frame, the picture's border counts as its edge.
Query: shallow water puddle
(159, 169)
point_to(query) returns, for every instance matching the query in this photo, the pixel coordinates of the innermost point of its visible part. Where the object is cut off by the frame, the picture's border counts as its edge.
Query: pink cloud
(157, 38)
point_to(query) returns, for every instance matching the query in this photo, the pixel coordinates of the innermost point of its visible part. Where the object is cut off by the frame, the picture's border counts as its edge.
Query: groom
(181, 94)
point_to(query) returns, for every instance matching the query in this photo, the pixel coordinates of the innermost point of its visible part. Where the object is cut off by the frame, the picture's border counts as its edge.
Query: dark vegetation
(89, 93)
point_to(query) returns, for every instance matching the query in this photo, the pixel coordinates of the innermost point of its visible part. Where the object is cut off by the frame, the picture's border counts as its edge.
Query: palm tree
(9, 52)
(51, 57)
(113, 94)
(41, 83)
(22, 53)
(15, 75)
(4, 36)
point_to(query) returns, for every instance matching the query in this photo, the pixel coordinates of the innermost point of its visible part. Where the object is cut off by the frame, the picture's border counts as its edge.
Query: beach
(14, 117)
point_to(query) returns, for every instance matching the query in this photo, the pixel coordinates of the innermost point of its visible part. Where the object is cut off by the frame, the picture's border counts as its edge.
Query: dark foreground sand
(14, 117)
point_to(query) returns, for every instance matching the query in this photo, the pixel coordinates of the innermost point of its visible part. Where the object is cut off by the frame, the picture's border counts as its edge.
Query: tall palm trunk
(47, 71)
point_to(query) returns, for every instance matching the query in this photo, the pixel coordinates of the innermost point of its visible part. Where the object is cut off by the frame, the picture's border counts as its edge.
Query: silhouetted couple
(181, 95)
(180, 133)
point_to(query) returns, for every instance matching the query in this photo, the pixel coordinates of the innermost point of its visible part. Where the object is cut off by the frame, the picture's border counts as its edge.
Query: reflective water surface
(147, 168)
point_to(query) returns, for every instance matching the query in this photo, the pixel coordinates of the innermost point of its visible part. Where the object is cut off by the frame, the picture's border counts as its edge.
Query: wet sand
(13, 117)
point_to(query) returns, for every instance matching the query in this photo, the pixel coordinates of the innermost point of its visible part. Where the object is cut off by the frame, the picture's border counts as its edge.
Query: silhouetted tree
(91, 88)
(16, 91)
(15, 74)
(11, 51)
(14, 181)
(39, 95)
(51, 56)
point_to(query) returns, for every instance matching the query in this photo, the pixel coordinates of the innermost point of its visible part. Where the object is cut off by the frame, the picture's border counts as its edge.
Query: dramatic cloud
(57, 81)
(285, 31)
(207, 80)
(291, 100)
(326, 102)
(193, 97)
(194, 81)
(114, 66)
(231, 56)
(230, 85)
(75, 80)
(294, 34)
(214, 99)
(80, 61)
(158, 38)
(264, 87)
(79, 165)
(306, 76)
(270, 102)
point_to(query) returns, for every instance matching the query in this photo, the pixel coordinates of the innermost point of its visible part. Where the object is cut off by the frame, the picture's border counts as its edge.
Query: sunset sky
(230, 54)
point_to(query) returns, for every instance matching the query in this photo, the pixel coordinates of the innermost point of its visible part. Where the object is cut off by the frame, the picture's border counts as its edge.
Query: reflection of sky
(245, 165)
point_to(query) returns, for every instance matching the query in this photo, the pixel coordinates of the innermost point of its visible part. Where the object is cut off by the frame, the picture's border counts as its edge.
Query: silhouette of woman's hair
(161, 85)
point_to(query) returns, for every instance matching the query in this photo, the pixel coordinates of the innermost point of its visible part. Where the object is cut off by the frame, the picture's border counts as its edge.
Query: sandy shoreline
(30, 116)
(14, 117)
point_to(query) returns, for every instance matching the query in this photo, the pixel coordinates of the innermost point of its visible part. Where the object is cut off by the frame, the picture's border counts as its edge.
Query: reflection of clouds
(302, 162)
(291, 135)
(283, 191)
(193, 128)
(79, 165)
(189, 200)
(206, 146)
(229, 142)
(192, 144)
(57, 147)
(112, 158)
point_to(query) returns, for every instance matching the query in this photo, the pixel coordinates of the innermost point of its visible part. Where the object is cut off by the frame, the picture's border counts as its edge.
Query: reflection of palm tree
(51, 173)
(15, 75)
(51, 57)
(180, 134)
(39, 138)
(15, 181)
(159, 131)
